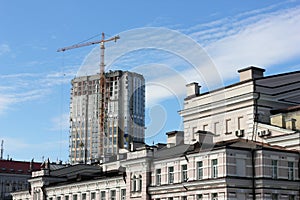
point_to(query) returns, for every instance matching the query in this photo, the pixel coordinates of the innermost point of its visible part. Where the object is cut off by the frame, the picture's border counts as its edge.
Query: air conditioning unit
(268, 132)
(264, 133)
(239, 133)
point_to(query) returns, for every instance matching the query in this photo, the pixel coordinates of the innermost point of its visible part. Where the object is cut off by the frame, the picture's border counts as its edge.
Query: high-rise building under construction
(124, 115)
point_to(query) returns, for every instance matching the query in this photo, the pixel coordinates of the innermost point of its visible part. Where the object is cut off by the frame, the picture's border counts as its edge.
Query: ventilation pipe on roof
(204, 137)
(175, 138)
(250, 73)
(192, 89)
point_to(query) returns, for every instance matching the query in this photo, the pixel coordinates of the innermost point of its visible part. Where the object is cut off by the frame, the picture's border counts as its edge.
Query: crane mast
(102, 83)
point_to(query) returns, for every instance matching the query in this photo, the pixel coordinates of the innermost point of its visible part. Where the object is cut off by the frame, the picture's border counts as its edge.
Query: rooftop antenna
(2, 150)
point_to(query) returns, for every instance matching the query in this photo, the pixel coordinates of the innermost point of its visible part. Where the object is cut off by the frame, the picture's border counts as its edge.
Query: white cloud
(4, 48)
(263, 37)
(61, 123)
(264, 40)
(257, 38)
(26, 87)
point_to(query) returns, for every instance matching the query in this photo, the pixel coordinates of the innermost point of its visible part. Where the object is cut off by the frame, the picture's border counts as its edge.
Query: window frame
(171, 175)
(214, 168)
(102, 195)
(291, 173)
(123, 194)
(113, 195)
(274, 169)
(200, 170)
(158, 176)
(184, 173)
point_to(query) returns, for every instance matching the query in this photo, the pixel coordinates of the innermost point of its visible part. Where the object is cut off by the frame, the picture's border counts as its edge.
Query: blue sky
(35, 79)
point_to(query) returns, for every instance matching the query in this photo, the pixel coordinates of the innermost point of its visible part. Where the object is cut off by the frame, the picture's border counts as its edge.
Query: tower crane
(102, 89)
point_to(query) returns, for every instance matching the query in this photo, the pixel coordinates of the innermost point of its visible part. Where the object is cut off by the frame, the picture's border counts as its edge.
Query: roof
(175, 151)
(286, 110)
(83, 172)
(264, 78)
(74, 170)
(17, 167)
(238, 143)
(248, 144)
(251, 67)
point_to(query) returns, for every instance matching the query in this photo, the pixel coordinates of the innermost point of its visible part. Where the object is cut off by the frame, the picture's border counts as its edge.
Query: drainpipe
(253, 173)
(255, 122)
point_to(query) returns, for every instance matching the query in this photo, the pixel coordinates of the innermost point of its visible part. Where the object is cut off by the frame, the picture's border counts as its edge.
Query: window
(274, 168)
(102, 195)
(199, 197)
(200, 170)
(228, 126)
(140, 183)
(291, 197)
(74, 197)
(184, 177)
(66, 197)
(171, 174)
(240, 167)
(184, 198)
(83, 197)
(274, 196)
(205, 127)
(113, 194)
(214, 169)
(123, 194)
(170, 198)
(214, 196)
(133, 184)
(158, 176)
(216, 128)
(93, 196)
(240, 122)
(58, 198)
(291, 171)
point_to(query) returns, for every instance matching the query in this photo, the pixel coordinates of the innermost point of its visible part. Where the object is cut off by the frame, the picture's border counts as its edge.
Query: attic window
(12, 170)
(3, 169)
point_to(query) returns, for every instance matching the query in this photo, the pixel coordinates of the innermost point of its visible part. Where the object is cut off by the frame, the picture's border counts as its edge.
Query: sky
(171, 43)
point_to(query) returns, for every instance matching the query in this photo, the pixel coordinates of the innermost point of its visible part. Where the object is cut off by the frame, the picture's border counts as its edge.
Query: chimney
(250, 73)
(175, 138)
(291, 124)
(193, 89)
(204, 137)
(278, 120)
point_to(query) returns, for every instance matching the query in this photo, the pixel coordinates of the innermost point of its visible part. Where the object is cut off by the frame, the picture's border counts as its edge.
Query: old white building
(244, 109)
(239, 142)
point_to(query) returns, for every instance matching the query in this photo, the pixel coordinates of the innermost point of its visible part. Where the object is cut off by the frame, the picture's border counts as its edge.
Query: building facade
(253, 153)
(14, 176)
(124, 115)
(234, 169)
(243, 109)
